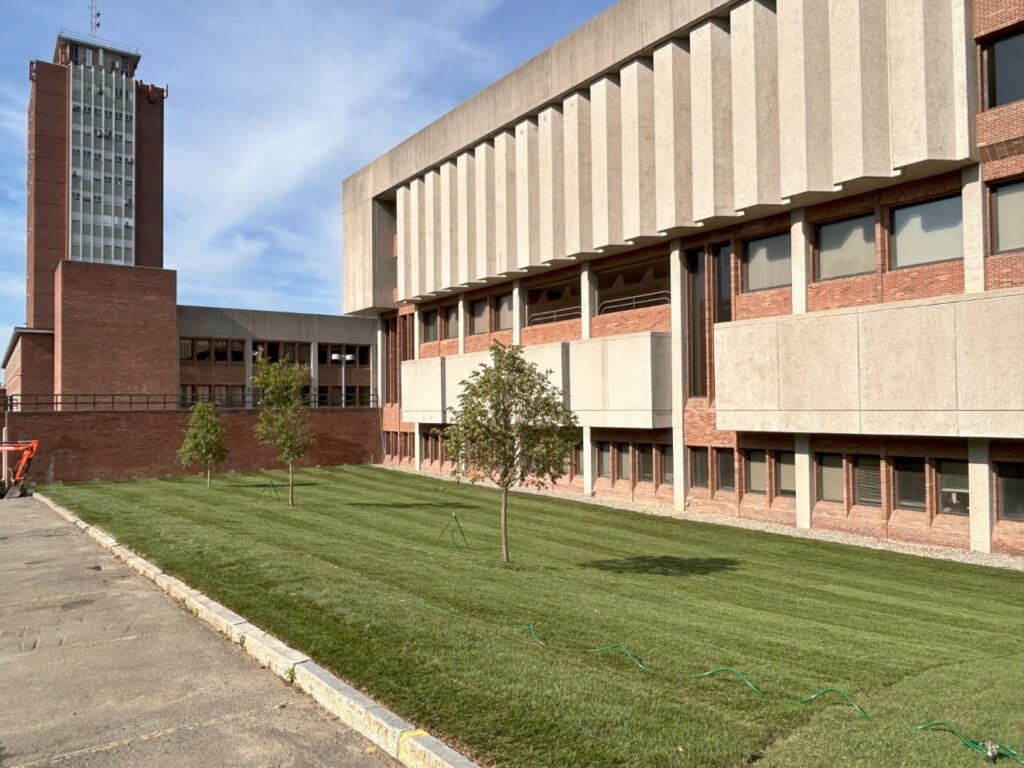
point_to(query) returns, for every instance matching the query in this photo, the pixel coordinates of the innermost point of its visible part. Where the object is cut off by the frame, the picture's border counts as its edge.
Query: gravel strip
(992, 560)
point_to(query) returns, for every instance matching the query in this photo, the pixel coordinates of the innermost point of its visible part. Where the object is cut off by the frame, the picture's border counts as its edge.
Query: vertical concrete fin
(672, 137)
(577, 155)
(551, 214)
(448, 241)
(485, 262)
(606, 161)
(505, 239)
(527, 199)
(466, 219)
(638, 174)
(432, 230)
(402, 209)
(711, 99)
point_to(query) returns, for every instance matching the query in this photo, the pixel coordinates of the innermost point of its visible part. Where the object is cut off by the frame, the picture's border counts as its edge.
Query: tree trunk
(504, 526)
(291, 484)
(207, 475)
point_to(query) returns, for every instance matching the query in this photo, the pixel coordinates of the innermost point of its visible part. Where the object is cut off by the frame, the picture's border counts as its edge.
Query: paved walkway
(100, 668)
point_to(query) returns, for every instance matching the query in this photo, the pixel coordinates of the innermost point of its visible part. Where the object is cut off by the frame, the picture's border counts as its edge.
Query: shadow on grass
(278, 483)
(666, 565)
(416, 505)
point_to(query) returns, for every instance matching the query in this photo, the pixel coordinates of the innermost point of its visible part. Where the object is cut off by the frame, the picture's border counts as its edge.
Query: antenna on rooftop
(94, 18)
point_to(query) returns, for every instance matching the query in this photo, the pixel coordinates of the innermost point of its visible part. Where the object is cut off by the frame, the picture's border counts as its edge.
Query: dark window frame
(988, 79)
(993, 215)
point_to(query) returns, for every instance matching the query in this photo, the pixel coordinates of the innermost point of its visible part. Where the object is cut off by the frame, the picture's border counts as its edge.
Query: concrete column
(378, 363)
(638, 176)
(527, 200)
(973, 199)
(589, 462)
(799, 243)
(402, 216)
(432, 231)
(673, 157)
(677, 287)
(247, 351)
(551, 213)
(466, 218)
(484, 185)
(462, 324)
(417, 445)
(711, 101)
(505, 240)
(417, 247)
(979, 482)
(606, 161)
(448, 240)
(416, 333)
(577, 155)
(588, 299)
(518, 311)
(804, 471)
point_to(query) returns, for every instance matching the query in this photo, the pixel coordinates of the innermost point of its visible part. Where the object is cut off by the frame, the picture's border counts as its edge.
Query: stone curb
(411, 746)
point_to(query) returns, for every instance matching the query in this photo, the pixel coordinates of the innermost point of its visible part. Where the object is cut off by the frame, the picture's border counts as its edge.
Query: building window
(604, 459)
(1008, 216)
(185, 350)
(726, 466)
(785, 473)
(303, 350)
(830, 477)
(954, 492)
(766, 263)
(1004, 70)
(623, 468)
(757, 472)
(288, 351)
(723, 283)
(645, 459)
(237, 351)
(202, 350)
(926, 232)
(430, 325)
(698, 467)
(867, 481)
(696, 263)
(451, 322)
(667, 467)
(845, 247)
(220, 350)
(633, 286)
(910, 493)
(504, 320)
(478, 323)
(363, 356)
(1010, 483)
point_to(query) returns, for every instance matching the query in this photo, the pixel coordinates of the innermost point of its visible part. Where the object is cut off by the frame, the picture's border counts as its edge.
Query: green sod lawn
(355, 576)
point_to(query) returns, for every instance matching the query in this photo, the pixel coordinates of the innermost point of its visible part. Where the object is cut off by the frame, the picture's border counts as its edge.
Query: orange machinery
(12, 485)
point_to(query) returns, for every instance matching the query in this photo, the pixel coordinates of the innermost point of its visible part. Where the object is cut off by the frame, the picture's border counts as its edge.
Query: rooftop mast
(94, 18)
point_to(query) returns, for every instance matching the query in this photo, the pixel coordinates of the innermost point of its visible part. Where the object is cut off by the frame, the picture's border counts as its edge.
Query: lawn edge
(411, 746)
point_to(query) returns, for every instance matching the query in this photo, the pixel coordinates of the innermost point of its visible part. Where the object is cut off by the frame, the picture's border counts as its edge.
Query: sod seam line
(411, 746)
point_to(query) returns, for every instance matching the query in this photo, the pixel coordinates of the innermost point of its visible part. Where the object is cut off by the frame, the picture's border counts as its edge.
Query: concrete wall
(952, 366)
(216, 322)
(848, 95)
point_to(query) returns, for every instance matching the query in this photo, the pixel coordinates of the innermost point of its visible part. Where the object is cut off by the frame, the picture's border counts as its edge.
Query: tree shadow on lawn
(416, 505)
(665, 565)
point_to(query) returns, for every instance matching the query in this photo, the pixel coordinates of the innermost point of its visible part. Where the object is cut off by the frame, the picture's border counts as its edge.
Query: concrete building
(772, 252)
(103, 328)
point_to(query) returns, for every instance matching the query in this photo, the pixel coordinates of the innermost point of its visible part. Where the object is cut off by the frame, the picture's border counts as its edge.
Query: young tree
(283, 421)
(204, 439)
(511, 427)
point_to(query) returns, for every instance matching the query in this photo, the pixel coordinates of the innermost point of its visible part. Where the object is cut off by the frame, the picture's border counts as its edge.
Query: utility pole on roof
(94, 18)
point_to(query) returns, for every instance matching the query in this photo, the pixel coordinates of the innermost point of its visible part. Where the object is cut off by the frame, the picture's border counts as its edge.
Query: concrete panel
(755, 105)
(404, 255)
(711, 99)
(746, 366)
(577, 155)
(990, 354)
(818, 372)
(551, 213)
(466, 226)
(456, 371)
(638, 175)
(449, 234)
(606, 161)
(417, 245)
(505, 239)
(485, 262)
(527, 195)
(859, 80)
(805, 101)
(672, 137)
(899, 349)
(357, 283)
(423, 396)
(432, 231)
(974, 229)
(553, 359)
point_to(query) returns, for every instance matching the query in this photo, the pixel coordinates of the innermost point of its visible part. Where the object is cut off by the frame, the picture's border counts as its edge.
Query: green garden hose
(529, 629)
(734, 673)
(629, 655)
(989, 750)
(844, 694)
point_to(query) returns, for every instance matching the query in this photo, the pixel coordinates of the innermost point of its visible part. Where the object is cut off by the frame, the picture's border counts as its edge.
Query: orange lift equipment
(19, 453)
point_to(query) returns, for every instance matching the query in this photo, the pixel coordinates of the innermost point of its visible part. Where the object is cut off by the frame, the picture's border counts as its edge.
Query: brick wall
(994, 15)
(149, 176)
(548, 333)
(110, 446)
(632, 321)
(116, 330)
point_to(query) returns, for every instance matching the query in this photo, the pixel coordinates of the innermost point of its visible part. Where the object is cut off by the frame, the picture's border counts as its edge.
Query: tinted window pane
(451, 322)
(723, 283)
(726, 470)
(505, 315)
(1006, 70)
(645, 455)
(623, 463)
(1008, 214)
(604, 460)
(954, 495)
(430, 326)
(785, 468)
(910, 492)
(667, 469)
(927, 232)
(757, 472)
(846, 247)
(699, 467)
(766, 263)
(830, 477)
(479, 323)
(868, 481)
(698, 338)
(1011, 491)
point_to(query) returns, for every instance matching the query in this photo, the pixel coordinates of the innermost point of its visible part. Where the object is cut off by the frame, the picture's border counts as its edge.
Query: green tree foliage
(204, 439)
(283, 421)
(511, 427)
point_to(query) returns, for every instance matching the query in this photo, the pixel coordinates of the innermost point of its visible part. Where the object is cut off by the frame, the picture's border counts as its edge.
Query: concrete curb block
(411, 746)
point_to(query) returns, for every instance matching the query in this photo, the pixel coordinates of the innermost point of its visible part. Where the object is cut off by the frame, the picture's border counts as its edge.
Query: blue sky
(272, 103)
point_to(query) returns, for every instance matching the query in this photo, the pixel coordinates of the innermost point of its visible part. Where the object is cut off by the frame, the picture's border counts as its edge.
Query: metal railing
(634, 302)
(553, 316)
(179, 402)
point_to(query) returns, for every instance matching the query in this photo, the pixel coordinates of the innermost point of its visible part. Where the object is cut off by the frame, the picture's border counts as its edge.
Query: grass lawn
(355, 576)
